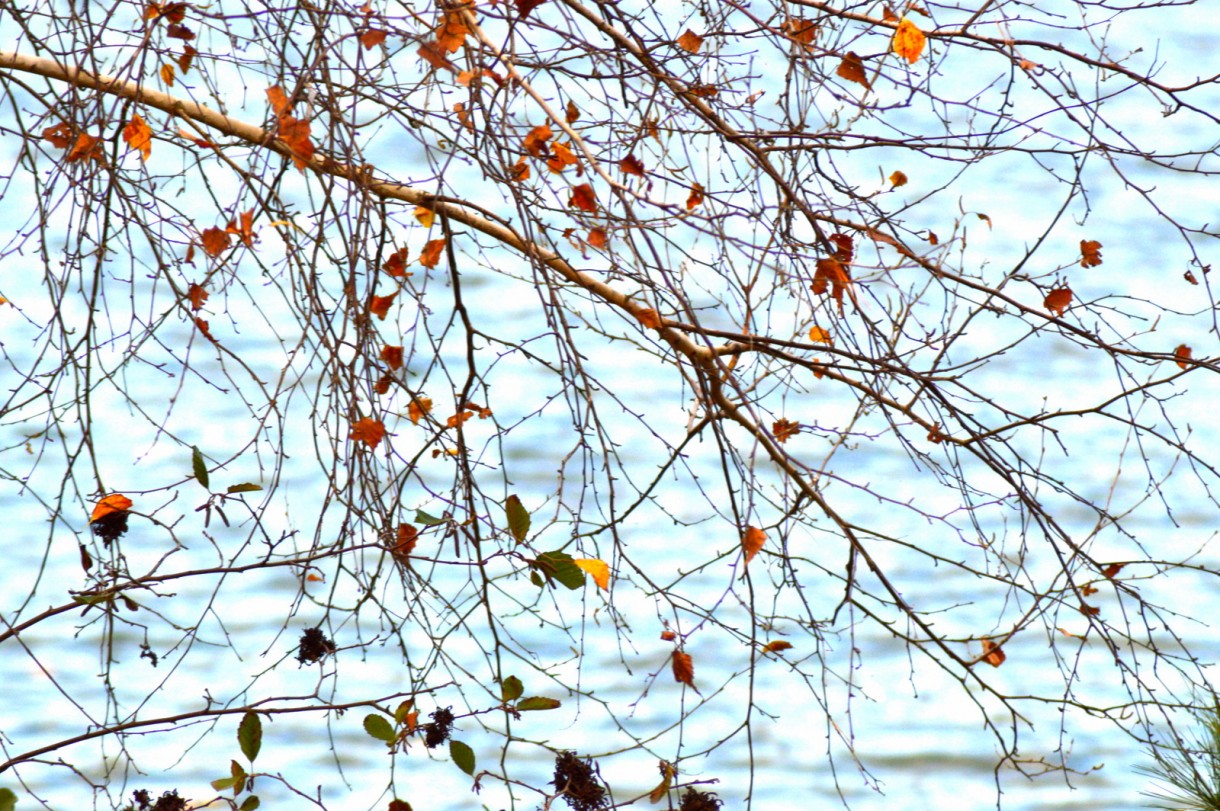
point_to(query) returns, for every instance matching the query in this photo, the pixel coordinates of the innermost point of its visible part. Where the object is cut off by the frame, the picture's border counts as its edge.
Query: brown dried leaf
(752, 542)
(852, 69)
(690, 41)
(684, 668)
(369, 431)
(1058, 300)
(1090, 253)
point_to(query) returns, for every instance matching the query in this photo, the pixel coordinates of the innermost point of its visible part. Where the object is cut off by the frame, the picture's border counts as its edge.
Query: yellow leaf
(167, 75)
(425, 216)
(668, 773)
(908, 41)
(898, 179)
(599, 570)
(820, 336)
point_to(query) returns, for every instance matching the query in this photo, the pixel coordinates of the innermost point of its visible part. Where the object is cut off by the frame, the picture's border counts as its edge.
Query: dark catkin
(694, 800)
(169, 801)
(110, 526)
(439, 730)
(574, 777)
(314, 645)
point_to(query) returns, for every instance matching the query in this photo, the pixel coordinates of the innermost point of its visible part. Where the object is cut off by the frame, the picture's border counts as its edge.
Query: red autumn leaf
(383, 383)
(631, 165)
(138, 136)
(690, 41)
(392, 355)
(648, 317)
(992, 654)
(179, 32)
(583, 198)
(215, 241)
(418, 408)
(113, 503)
(844, 248)
(1182, 353)
(184, 61)
(197, 296)
(785, 430)
(524, 7)
(204, 327)
(834, 276)
(1112, 569)
(597, 238)
(936, 436)
(60, 136)
(404, 543)
(684, 668)
(752, 542)
(535, 141)
(431, 254)
(1090, 253)
(380, 305)
(396, 265)
(695, 198)
(369, 431)
(434, 55)
(1089, 610)
(852, 69)
(244, 231)
(86, 147)
(1058, 300)
(372, 38)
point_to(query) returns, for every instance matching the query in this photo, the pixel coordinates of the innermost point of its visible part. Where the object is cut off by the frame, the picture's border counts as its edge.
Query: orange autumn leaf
(561, 157)
(572, 113)
(535, 141)
(898, 179)
(431, 253)
(278, 100)
(244, 230)
(418, 408)
(599, 570)
(1089, 610)
(597, 238)
(668, 636)
(785, 430)
(832, 275)
(908, 41)
(205, 328)
(1058, 300)
(1090, 253)
(184, 61)
(404, 542)
(631, 165)
(695, 198)
(372, 38)
(992, 654)
(380, 305)
(167, 74)
(425, 216)
(852, 69)
(752, 542)
(690, 41)
(86, 147)
(648, 317)
(60, 135)
(684, 668)
(396, 264)
(392, 355)
(1112, 569)
(383, 384)
(520, 170)
(452, 31)
(197, 296)
(295, 134)
(138, 136)
(113, 503)
(820, 336)
(369, 431)
(777, 646)
(458, 419)
(215, 241)
(802, 30)
(583, 198)
(434, 55)
(1182, 353)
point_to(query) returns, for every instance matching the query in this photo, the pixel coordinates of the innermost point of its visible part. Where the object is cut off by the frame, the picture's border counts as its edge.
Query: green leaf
(534, 703)
(224, 783)
(8, 800)
(511, 689)
(239, 777)
(559, 566)
(250, 803)
(200, 468)
(463, 756)
(537, 580)
(404, 709)
(245, 487)
(378, 727)
(518, 518)
(250, 735)
(422, 517)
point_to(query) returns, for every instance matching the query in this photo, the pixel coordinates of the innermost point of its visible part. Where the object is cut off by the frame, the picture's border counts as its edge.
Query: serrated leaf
(244, 487)
(518, 518)
(378, 727)
(422, 517)
(511, 689)
(559, 566)
(250, 735)
(463, 756)
(8, 800)
(199, 467)
(250, 803)
(537, 703)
